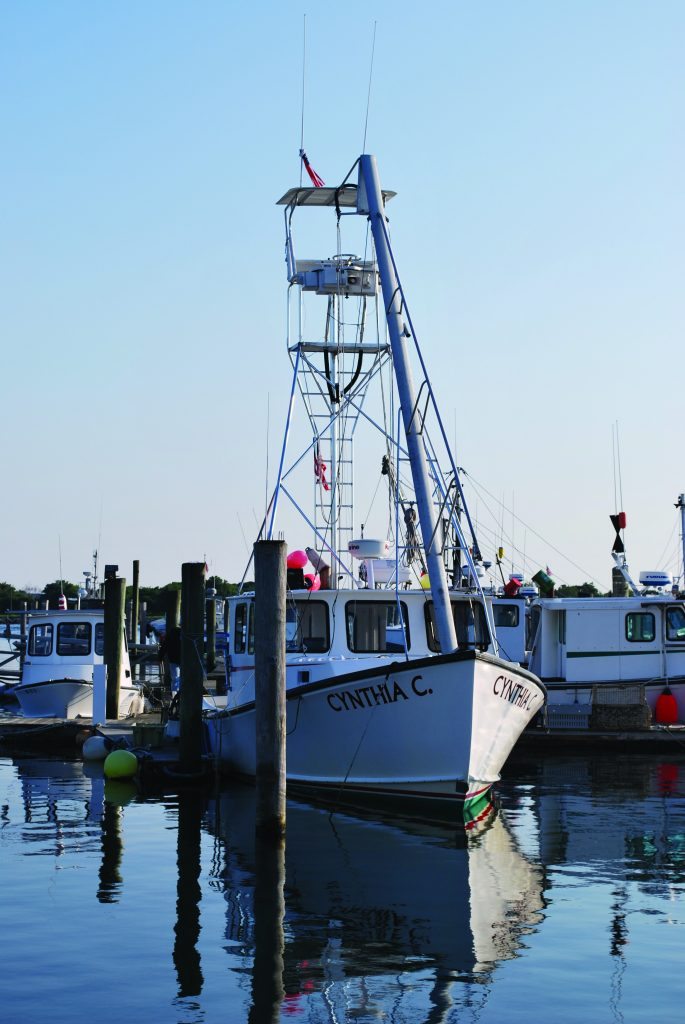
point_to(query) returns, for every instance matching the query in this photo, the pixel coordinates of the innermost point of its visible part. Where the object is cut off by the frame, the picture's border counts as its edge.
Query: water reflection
(187, 928)
(368, 900)
(355, 917)
(625, 816)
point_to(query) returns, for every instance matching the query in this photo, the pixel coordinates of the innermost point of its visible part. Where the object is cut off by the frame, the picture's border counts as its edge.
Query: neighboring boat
(584, 646)
(57, 675)
(625, 649)
(393, 691)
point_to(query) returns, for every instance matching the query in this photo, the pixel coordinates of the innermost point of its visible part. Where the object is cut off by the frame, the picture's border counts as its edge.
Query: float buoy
(121, 764)
(96, 748)
(666, 710)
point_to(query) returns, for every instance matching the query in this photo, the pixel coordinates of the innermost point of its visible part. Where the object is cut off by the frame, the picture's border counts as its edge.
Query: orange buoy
(666, 711)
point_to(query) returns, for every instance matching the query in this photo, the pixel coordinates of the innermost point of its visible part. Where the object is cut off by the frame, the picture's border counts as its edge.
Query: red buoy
(666, 711)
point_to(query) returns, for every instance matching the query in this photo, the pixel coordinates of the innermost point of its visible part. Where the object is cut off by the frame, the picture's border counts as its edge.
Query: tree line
(12, 598)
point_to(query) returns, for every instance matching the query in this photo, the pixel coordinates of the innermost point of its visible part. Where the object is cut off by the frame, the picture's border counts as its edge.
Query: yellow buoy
(121, 764)
(424, 581)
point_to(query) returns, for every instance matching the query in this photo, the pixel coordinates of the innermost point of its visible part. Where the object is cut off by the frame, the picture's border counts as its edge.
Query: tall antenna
(368, 95)
(304, 63)
(266, 482)
(618, 454)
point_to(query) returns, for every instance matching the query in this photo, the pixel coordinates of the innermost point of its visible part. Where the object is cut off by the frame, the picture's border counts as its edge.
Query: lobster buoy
(297, 559)
(666, 711)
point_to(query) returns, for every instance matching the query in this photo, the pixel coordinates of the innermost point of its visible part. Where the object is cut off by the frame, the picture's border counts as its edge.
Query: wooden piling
(115, 598)
(270, 592)
(192, 668)
(210, 628)
(134, 636)
(172, 621)
(22, 649)
(142, 669)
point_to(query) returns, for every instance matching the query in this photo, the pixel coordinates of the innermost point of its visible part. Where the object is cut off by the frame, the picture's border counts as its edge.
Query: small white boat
(57, 675)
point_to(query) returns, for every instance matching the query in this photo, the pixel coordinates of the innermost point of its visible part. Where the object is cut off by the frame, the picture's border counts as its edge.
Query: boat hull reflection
(368, 897)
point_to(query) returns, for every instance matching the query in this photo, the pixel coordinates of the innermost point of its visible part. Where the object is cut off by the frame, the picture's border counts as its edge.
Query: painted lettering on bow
(374, 696)
(514, 693)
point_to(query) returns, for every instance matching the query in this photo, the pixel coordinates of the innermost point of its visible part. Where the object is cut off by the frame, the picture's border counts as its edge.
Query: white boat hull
(69, 698)
(440, 728)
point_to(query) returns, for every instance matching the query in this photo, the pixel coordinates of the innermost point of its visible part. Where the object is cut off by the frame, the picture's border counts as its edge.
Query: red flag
(317, 182)
(320, 469)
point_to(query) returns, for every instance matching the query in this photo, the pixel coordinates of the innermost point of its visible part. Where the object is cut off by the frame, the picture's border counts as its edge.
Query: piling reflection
(109, 877)
(187, 928)
(370, 900)
(269, 941)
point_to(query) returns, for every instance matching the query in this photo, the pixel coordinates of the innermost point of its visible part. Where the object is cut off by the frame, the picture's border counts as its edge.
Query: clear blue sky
(537, 151)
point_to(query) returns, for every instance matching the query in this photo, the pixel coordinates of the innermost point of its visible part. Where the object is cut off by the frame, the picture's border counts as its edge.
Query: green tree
(53, 591)
(578, 590)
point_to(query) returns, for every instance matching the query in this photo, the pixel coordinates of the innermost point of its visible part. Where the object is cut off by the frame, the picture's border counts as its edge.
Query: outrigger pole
(370, 202)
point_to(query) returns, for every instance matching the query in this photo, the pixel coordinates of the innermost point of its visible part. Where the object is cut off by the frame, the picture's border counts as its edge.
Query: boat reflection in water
(354, 917)
(375, 910)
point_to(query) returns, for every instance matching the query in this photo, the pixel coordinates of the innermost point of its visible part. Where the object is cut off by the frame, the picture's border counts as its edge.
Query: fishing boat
(623, 650)
(394, 686)
(63, 646)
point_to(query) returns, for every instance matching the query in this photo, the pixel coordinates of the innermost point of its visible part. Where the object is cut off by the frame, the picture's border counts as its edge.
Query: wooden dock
(664, 738)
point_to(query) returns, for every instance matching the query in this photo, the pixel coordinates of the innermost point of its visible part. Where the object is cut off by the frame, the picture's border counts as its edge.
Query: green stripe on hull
(477, 808)
(607, 654)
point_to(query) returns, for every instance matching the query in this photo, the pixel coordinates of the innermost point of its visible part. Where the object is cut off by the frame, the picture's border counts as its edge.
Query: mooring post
(210, 620)
(192, 667)
(22, 649)
(143, 639)
(128, 620)
(115, 598)
(134, 636)
(270, 591)
(172, 621)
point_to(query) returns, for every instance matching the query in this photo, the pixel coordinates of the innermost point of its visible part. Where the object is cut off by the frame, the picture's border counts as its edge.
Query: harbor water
(125, 907)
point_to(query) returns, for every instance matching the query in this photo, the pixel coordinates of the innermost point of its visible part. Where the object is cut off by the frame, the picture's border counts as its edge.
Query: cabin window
(376, 626)
(73, 638)
(675, 623)
(40, 640)
(506, 615)
(469, 622)
(250, 628)
(640, 627)
(306, 627)
(240, 629)
(100, 638)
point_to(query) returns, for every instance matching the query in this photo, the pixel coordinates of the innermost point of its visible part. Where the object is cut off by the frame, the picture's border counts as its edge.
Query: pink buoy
(312, 581)
(297, 560)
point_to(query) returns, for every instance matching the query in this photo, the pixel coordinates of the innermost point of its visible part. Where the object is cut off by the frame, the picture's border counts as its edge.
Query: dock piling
(270, 593)
(115, 598)
(192, 667)
(135, 604)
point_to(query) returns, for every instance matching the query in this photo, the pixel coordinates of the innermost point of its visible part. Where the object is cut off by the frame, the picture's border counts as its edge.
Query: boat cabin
(328, 630)
(586, 641)
(66, 643)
